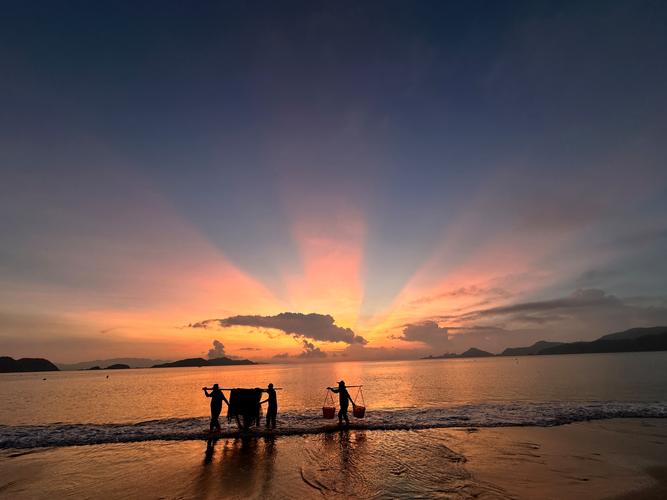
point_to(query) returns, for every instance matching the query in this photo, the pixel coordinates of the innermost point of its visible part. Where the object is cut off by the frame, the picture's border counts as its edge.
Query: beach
(586, 426)
(602, 459)
(619, 458)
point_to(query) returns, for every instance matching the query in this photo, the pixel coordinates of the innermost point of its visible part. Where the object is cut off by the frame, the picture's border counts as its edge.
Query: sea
(71, 408)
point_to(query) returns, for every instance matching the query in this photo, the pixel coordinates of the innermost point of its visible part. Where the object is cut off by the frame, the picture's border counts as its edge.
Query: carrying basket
(328, 412)
(359, 411)
(328, 407)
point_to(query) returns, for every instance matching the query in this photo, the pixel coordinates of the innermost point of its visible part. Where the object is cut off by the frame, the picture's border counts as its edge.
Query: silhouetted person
(272, 409)
(217, 397)
(344, 399)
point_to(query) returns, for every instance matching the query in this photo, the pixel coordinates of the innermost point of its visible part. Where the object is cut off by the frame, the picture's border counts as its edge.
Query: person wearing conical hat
(344, 399)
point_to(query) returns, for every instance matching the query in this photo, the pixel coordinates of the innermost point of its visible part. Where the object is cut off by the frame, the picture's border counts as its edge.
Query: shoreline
(616, 458)
(190, 429)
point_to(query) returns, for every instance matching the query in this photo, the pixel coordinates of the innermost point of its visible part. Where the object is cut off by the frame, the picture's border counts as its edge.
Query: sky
(322, 181)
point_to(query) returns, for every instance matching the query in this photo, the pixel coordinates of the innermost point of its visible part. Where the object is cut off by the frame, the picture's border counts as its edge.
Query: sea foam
(472, 415)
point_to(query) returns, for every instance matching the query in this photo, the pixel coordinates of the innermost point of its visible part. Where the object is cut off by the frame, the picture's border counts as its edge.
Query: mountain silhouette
(632, 340)
(634, 343)
(635, 333)
(190, 362)
(10, 365)
(131, 362)
(473, 352)
(533, 349)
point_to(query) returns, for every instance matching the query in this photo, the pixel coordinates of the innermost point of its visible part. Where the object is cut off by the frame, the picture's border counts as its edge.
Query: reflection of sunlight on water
(141, 395)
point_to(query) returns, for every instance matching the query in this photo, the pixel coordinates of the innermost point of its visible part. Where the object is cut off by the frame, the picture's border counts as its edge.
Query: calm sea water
(137, 405)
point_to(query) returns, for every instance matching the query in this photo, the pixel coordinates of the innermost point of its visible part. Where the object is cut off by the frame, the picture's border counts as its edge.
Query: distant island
(118, 366)
(11, 365)
(473, 352)
(190, 362)
(97, 364)
(632, 340)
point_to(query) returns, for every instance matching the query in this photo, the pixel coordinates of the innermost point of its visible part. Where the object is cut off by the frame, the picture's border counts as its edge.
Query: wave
(290, 423)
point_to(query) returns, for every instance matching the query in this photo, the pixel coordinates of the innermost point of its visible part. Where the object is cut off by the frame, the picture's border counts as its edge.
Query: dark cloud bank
(319, 327)
(304, 327)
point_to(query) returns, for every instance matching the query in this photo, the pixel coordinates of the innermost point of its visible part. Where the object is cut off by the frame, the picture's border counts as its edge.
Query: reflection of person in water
(344, 399)
(210, 448)
(272, 409)
(217, 397)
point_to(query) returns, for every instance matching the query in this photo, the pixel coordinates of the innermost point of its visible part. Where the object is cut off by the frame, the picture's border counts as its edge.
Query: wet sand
(601, 459)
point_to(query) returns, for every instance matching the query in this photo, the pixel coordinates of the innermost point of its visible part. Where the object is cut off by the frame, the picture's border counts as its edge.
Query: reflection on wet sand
(335, 464)
(242, 467)
(367, 464)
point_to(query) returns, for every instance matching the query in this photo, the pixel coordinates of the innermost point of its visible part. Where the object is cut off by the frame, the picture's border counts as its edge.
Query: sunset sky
(329, 180)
